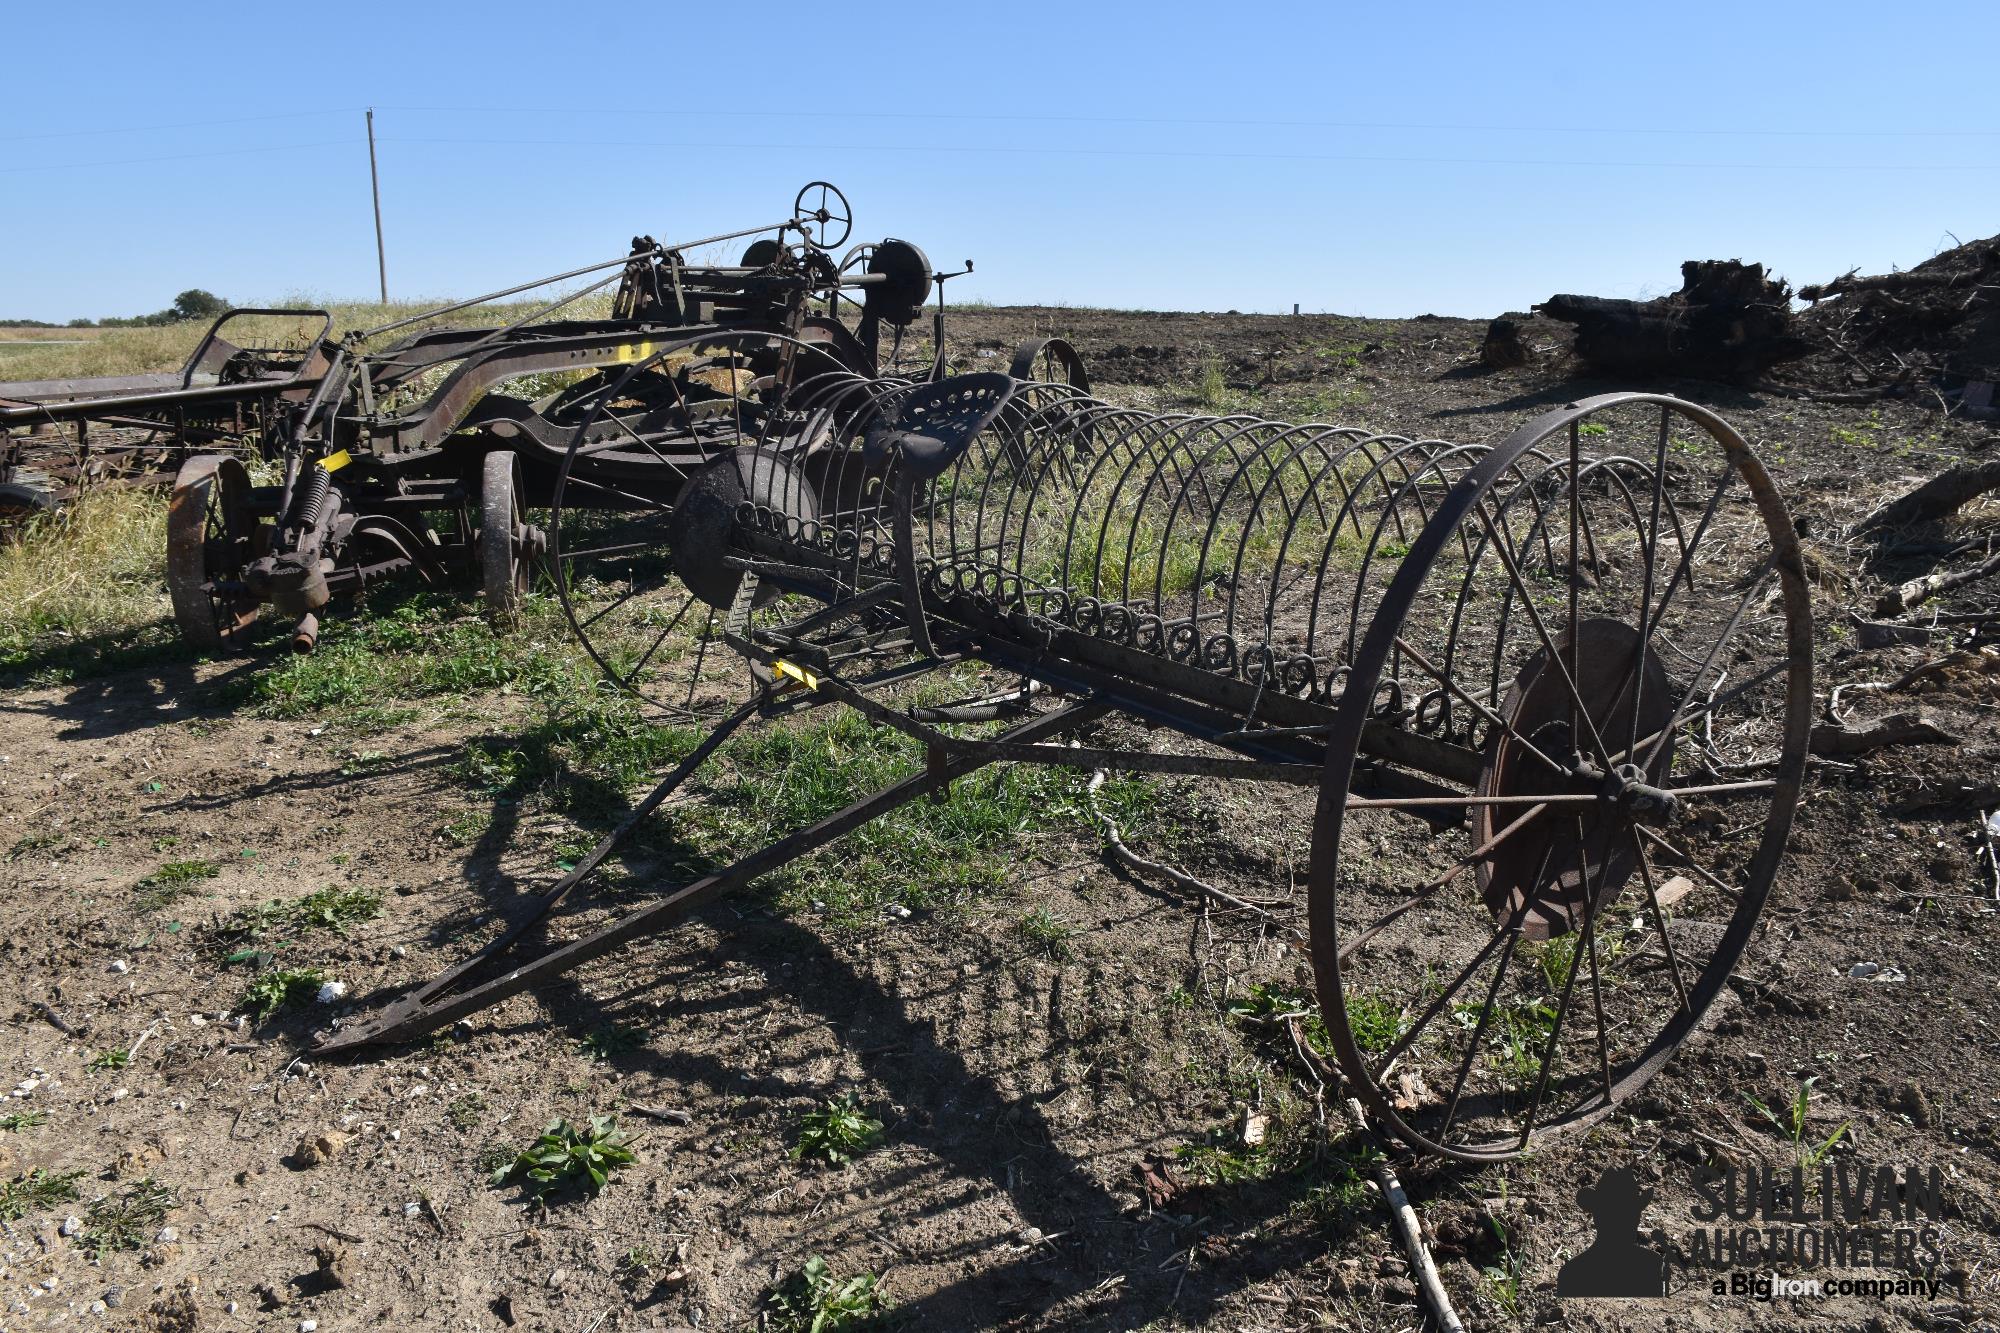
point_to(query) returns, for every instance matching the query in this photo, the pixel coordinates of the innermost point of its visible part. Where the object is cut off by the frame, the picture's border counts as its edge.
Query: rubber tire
(505, 574)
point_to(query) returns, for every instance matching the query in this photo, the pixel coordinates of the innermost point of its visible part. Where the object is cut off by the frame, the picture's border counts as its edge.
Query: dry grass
(138, 351)
(99, 569)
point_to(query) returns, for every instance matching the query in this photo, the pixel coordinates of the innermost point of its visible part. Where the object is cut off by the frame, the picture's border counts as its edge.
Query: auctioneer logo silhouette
(1616, 1264)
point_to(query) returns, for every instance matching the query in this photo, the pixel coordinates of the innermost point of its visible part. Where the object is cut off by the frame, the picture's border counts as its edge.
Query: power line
(1198, 154)
(178, 157)
(134, 126)
(735, 113)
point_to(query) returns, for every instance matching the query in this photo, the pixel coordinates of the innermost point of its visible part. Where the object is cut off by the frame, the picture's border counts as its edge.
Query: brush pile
(1932, 329)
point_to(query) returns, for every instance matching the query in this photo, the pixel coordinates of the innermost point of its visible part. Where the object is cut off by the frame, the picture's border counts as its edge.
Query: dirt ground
(1021, 1087)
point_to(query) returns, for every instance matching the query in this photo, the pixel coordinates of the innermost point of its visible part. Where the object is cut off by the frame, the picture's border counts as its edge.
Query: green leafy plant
(37, 1190)
(1792, 1124)
(608, 1043)
(566, 1156)
(465, 1112)
(335, 909)
(15, 1121)
(111, 1059)
(128, 1219)
(815, 1301)
(837, 1132)
(1503, 1277)
(280, 988)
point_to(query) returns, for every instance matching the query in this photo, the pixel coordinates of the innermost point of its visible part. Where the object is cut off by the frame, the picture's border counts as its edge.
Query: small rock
(399, 952)
(308, 1326)
(167, 1236)
(1862, 971)
(70, 1226)
(114, 1297)
(1912, 1102)
(311, 1152)
(120, 965)
(900, 912)
(413, 1209)
(558, 1276)
(332, 991)
(332, 1262)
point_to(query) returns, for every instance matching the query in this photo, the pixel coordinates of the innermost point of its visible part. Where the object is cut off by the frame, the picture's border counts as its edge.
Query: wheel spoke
(1491, 717)
(1715, 650)
(1659, 916)
(1596, 971)
(1480, 853)
(1555, 658)
(1478, 1033)
(1688, 860)
(1409, 1035)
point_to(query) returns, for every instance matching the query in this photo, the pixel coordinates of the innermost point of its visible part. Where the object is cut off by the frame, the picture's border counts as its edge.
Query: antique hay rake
(1552, 692)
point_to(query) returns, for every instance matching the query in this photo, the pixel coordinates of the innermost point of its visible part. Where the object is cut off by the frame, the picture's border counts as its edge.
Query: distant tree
(83, 324)
(194, 303)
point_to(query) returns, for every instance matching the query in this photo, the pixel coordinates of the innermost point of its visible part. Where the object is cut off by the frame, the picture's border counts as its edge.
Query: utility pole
(375, 184)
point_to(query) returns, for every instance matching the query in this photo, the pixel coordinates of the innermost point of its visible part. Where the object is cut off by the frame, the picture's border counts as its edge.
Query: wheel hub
(1574, 858)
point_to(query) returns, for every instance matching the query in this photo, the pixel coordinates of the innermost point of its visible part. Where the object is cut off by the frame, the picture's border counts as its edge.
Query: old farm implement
(414, 448)
(1552, 699)
(58, 437)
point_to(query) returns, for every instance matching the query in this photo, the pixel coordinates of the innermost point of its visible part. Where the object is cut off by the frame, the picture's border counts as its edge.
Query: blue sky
(1371, 159)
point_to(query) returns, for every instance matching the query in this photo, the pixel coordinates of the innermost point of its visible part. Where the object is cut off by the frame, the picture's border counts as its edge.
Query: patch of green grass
(1047, 931)
(465, 1112)
(814, 1300)
(568, 1157)
(173, 881)
(111, 1059)
(925, 855)
(85, 592)
(129, 1219)
(16, 1121)
(1341, 1179)
(464, 828)
(837, 1132)
(1210, 390)
(611, 1042)
(37, 1191)
(280, 988)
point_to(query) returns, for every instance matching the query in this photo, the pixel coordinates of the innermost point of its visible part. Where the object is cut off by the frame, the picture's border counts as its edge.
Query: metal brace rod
(429, 1008)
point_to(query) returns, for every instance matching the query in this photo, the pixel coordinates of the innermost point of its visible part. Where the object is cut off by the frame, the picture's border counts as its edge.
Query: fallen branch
(1895, 729)
(1114, 844)
(1411, 1230)
(1918, 591)
(1943, 494)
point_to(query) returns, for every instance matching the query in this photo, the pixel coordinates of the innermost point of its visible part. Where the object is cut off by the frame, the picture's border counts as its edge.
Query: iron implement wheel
(212, 536)
(1619, 643)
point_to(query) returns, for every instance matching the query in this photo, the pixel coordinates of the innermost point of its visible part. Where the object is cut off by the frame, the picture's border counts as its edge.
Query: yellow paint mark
(335, 462)
(797, 673)
(631, 352)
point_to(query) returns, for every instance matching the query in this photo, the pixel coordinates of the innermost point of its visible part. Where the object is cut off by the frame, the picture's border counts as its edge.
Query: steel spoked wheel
(212, 536)
(641, 511)
(1050, 361)
(1605, 631)
(508, 547)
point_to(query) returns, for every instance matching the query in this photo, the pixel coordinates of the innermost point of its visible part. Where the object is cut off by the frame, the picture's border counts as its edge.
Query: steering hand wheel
(831, 210)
